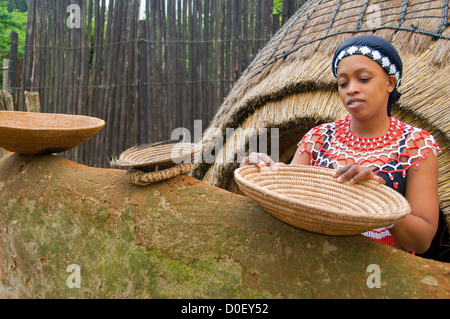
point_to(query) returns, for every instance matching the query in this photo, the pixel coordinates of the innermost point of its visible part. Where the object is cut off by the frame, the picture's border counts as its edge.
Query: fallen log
(72, 231)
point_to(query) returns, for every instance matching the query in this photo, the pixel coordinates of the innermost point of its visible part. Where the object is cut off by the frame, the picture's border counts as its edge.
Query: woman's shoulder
(406, 126)
(418, 141)
(413, 132)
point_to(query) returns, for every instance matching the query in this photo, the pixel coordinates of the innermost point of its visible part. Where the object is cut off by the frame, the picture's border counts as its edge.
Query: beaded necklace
(333, 145)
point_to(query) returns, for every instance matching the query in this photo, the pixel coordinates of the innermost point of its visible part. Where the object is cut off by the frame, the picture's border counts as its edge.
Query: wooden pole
(13, 67)
(32, 102)
(5, 74)
(6, 101)
(6, 104)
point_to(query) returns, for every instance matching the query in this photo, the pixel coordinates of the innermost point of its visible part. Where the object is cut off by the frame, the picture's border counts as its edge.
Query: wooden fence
(144, 75)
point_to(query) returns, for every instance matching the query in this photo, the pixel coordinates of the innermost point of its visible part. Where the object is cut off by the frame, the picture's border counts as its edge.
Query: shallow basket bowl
(163, 154)
(310, 198)
(44, 133)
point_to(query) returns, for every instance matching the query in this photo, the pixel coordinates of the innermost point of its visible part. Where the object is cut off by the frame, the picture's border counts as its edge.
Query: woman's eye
(364, 80)
(342, 85)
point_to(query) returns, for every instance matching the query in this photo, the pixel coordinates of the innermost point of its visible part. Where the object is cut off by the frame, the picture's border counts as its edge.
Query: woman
(369, 144)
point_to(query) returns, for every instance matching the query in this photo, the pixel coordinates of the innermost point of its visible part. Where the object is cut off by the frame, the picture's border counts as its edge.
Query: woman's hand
(355, 173)
(260, 160)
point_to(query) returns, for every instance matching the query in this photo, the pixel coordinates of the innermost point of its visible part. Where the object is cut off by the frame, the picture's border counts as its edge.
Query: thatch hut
(290, 85)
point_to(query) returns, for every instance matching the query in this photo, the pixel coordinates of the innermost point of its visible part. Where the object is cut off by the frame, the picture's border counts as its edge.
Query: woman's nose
(352, 88)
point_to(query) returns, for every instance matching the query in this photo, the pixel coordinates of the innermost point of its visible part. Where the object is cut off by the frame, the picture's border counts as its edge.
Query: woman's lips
(354, 103)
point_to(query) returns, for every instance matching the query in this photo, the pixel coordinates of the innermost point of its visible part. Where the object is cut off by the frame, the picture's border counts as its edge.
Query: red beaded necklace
(334, 145)
(402, 147)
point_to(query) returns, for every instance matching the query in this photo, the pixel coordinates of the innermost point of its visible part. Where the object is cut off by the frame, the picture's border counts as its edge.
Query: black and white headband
(374, 54)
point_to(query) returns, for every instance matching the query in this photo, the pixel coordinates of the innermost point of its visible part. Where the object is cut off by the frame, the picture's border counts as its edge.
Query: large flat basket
(43, 133)
(310, 198)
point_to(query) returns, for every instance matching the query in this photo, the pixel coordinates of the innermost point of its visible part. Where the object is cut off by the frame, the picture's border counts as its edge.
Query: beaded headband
(375, 55)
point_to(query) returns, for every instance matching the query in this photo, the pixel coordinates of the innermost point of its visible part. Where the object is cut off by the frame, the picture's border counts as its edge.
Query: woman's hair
(378, 49)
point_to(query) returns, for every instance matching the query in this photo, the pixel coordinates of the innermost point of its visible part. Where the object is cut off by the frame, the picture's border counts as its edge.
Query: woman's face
(364, 86)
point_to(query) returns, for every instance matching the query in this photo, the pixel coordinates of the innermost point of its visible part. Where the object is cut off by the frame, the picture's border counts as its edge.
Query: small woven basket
(44, 133)
(148, 164)
(160, 155)
(310, 198)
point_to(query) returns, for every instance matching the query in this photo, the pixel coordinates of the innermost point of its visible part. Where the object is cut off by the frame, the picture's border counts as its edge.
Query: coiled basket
(148, 164)
(43, 133)
(310, 198)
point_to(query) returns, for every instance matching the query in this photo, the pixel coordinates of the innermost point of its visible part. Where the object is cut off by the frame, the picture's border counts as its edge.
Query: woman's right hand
(260, 160)
(355, 173)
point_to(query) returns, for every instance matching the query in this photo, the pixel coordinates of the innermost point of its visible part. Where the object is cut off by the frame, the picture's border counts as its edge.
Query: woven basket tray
(148, 157)
(43, 133)
(310, 198)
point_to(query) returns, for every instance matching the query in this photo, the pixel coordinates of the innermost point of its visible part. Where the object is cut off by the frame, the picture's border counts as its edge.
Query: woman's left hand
(355, 173)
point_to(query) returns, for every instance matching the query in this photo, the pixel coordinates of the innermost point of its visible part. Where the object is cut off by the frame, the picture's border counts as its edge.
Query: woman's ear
(392, 83)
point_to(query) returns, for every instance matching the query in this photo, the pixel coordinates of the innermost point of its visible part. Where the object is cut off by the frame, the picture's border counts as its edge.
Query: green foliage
(11, 21)
(19, 5)
(277, 6)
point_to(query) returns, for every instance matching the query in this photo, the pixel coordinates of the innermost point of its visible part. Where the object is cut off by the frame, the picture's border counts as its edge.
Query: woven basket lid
(310, 198)
(161, 154)
(44, 133)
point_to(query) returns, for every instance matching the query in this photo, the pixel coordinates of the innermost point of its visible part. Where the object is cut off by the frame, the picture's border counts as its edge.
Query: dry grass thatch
(290, 85)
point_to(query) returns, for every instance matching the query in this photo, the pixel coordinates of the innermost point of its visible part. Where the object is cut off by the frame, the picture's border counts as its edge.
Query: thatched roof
(290, 85)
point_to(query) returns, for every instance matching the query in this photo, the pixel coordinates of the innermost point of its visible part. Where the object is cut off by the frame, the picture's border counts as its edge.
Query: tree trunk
(180, 238)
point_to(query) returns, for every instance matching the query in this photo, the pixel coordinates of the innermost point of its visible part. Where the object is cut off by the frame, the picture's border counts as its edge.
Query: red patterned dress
(333, 145)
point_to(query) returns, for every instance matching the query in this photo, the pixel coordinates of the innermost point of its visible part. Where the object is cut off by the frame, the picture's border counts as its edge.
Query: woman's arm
(301, 158)
(355, 173)
(416, 231)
